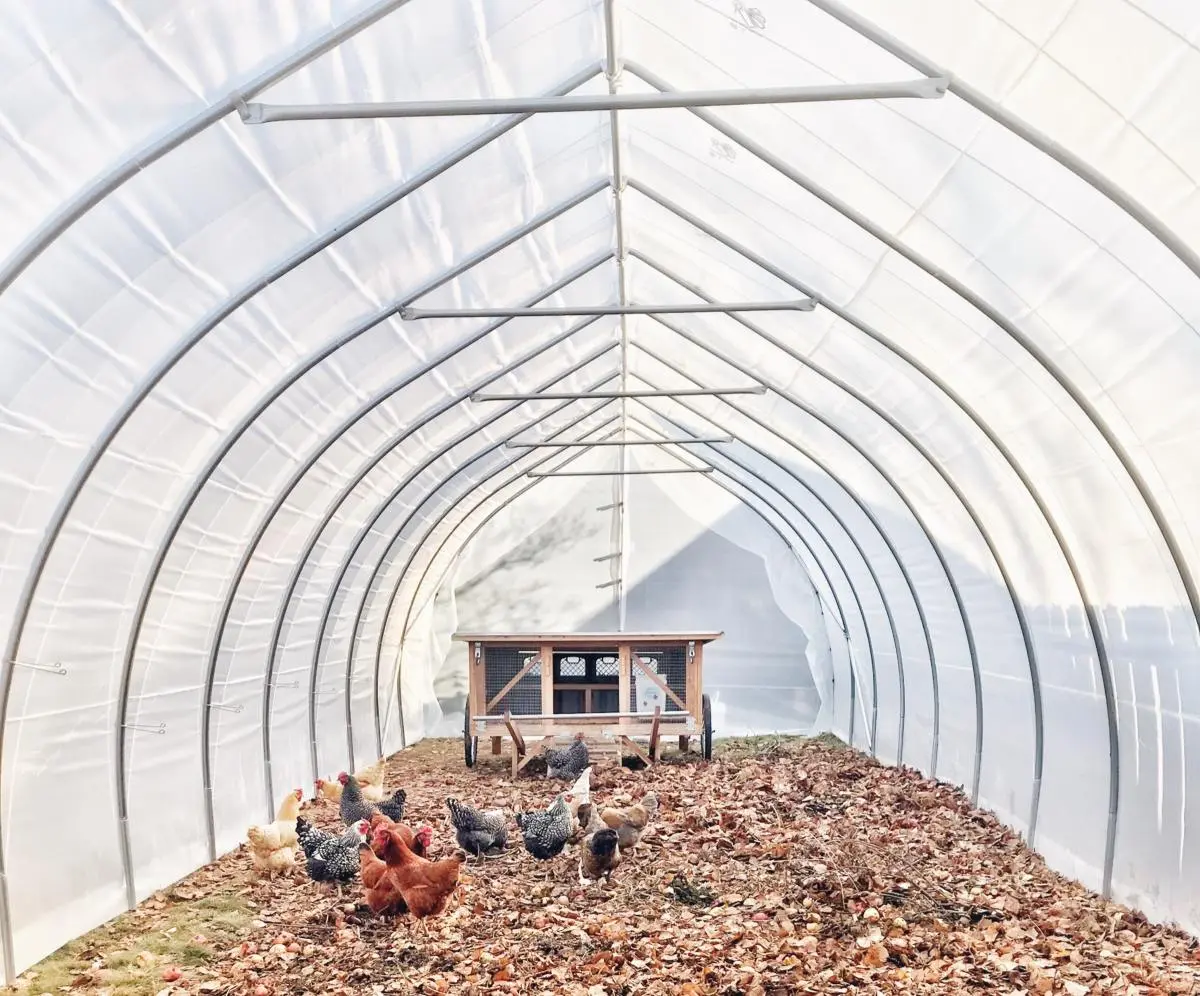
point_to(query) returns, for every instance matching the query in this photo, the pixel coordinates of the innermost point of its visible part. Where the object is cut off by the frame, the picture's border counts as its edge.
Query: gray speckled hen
(545, 832)
(568, 762)
(477, 832)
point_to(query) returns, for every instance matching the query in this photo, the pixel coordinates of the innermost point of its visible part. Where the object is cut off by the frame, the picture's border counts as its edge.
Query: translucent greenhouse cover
(245, 501)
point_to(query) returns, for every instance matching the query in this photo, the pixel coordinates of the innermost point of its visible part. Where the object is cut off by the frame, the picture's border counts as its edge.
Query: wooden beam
(654, 732)
(546, 742)
(602, 639)
(636, 749)
(496, 742)
(637, 659)
(513, 684)
(547, 655)
(683, 743)
(695, 683)
(514, 733)
(624, 680)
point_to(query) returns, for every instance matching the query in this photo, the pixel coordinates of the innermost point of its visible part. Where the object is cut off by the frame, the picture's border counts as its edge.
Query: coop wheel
(706, 743)
(470, 743)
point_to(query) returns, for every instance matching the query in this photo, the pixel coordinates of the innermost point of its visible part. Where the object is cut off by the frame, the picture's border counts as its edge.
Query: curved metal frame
(384, 561)
(1095, 631)
(816, 560)
(947, 478)
(177, 352)
(215, 460)
(860, 504)
(331, 512)
(110, 182)
(716, 479)
(746, 470)
(381, 396)
(865, 509)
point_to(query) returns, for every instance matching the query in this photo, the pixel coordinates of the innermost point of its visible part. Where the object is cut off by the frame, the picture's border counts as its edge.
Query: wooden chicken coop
(621, 690)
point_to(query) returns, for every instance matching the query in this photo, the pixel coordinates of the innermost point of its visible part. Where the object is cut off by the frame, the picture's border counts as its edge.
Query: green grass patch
(127, 955)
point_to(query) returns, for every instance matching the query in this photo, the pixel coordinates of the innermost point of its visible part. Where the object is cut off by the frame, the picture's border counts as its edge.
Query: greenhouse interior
(859, 332)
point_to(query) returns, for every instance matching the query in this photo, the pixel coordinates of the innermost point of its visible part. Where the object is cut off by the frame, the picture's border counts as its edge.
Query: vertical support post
(695, 680)
(547, 654)
(612, 70)
(624, 679)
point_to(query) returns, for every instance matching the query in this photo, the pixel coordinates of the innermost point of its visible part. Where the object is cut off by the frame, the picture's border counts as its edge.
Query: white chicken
(272, 845)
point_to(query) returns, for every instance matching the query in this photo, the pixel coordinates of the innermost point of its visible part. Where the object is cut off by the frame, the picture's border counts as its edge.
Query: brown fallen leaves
(804, 869)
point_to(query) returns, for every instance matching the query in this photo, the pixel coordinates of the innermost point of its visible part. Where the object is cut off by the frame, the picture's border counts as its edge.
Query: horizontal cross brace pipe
(607, 556)
(681, 441)
(605, 508)
(923, 89)
(609, 584)
(682, 392)
(692, 308)
(620, 473)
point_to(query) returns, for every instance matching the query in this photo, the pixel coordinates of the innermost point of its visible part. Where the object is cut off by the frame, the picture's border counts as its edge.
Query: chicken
(581, 795)
(599, 856)
(631, 822)
(311, 837)
(568, 762)
(477, 832)
(417, 842)
(393, 808)
(545, 832)
(336, 858)
(331, 790)
(353, 807)
(425, 887)
(267, 854)
(370, 781)
(589, 818)
(271, 845)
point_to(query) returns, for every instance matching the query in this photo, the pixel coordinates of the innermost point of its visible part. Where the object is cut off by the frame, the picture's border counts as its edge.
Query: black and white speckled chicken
(568, 762)
(393, 808)
(336, 860)
(310, 837)
(477, 832)
(353, 806)
(545, 832)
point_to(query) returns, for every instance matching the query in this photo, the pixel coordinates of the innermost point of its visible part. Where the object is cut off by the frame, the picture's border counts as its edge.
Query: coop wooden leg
(653, 751)
(516, 759)
(496, 741)
(683, 743)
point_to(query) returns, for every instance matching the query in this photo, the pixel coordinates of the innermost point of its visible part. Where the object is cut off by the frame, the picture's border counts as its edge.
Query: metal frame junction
(241, 99)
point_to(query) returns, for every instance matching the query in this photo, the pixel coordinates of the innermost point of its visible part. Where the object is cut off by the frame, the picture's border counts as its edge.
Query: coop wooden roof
(587, 639)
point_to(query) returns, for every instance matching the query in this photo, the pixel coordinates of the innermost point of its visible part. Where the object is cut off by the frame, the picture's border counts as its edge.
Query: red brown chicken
(397, 875)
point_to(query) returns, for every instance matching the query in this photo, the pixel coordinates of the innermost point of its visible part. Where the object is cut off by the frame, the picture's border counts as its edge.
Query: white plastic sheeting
(235, 484)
